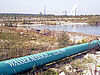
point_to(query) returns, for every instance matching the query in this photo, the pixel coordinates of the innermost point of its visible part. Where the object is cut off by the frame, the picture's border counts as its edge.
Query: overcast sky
(52, 6)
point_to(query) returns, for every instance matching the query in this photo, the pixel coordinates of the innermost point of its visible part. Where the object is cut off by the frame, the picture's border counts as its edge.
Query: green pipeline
(17, 65)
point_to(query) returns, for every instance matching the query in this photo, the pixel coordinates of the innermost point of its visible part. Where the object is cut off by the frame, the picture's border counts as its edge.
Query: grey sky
(52, 6)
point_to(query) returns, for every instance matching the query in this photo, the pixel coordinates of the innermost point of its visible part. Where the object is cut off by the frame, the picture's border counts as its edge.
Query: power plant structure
(65, 13)
(44, 10)
(73, 11)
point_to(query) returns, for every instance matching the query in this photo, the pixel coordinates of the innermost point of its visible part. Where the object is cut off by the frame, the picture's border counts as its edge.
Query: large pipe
(25, 63)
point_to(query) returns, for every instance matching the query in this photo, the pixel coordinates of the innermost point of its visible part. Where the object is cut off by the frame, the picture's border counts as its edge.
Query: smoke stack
(44, 10)
(65, 12)
(73, 11)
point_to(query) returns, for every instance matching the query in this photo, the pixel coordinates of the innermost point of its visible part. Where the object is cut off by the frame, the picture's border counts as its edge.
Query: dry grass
(17, 42)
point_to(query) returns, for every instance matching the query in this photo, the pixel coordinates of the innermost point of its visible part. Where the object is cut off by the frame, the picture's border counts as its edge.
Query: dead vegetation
(17, 42)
